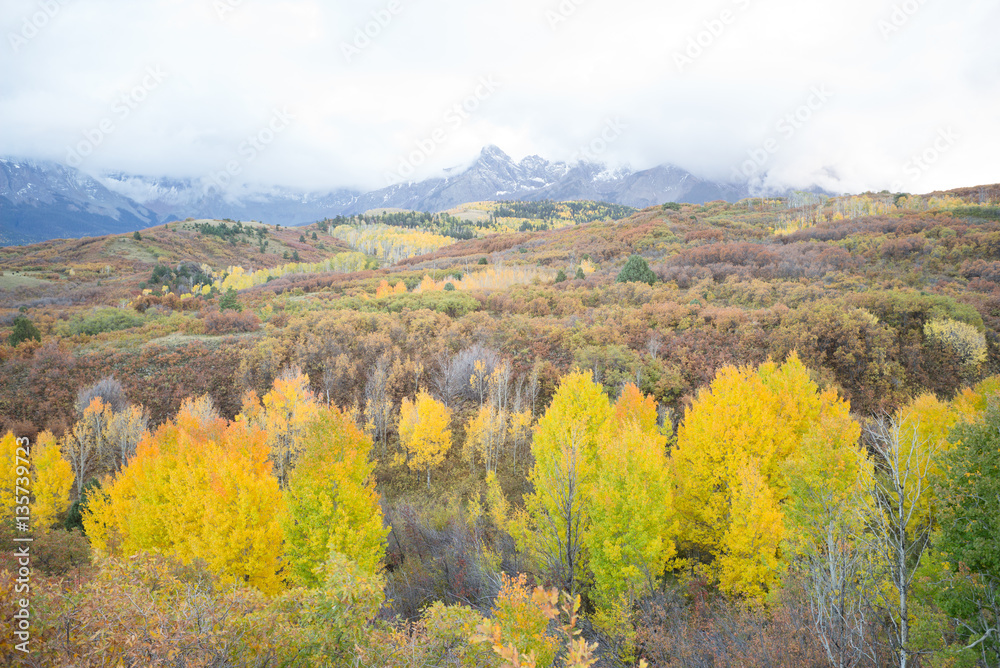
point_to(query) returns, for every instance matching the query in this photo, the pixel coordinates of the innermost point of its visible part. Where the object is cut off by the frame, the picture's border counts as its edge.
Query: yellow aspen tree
(727, 418)
(427, 284)
(241, 526)
(747, 417)
(485, 434)
(196, 489)
(51, 483)
(487, 431)
(748, 560)
(400, 288)
(928, 421)
(383, 289)
(566, 449)
(424, 432)
(332, 503)
(283, 414)
(630, 535)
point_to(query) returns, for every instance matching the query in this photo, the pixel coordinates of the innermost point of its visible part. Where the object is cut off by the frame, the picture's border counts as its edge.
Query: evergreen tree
(24, 329)
(636, 270)
(230, 301)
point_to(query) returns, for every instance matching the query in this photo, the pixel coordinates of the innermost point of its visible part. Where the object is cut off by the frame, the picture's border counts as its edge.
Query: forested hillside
(760, 433)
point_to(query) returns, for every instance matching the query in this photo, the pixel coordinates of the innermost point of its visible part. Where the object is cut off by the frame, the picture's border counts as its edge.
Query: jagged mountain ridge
(41, 200)
(495, 176)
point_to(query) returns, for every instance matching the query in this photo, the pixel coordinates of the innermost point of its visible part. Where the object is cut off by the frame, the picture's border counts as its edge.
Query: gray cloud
(900, 72)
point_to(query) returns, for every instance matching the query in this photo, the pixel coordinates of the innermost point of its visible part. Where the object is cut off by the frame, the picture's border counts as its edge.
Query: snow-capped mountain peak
(40, 200)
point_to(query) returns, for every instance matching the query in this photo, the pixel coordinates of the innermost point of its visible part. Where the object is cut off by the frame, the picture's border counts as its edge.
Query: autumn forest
(520, 434)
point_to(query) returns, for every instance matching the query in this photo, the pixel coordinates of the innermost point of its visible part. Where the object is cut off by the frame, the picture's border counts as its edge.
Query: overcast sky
(848, 95)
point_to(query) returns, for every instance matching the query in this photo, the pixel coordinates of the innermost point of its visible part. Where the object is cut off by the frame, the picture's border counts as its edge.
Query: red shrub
(228, 322)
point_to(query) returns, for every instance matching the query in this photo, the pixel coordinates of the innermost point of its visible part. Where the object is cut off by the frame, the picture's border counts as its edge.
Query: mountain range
(45, 200)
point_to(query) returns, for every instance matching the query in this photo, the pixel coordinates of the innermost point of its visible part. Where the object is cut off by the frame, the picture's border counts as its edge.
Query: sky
(848, 96)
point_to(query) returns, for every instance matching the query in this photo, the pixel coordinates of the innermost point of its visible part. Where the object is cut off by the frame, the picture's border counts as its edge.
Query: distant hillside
(123, 260)
(848, 282)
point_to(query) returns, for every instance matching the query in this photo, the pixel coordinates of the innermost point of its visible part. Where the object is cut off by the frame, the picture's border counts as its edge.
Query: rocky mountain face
(40, 200)
(45, 200)
(495, 176)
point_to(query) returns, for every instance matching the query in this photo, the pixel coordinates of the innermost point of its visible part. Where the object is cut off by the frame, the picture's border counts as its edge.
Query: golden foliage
(196, 490)
(424, 432)
(283, 414)
(239, 278)
(731, 450)
(51, 483)
(630, 536)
